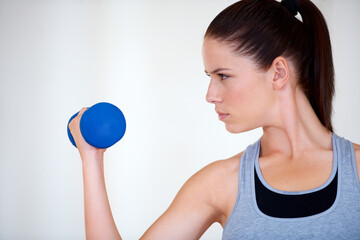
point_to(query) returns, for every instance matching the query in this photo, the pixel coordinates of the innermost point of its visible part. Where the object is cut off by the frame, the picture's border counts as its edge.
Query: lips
(222, 115)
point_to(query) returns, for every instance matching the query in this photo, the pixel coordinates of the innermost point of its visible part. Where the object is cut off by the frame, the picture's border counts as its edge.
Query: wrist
(92, 158)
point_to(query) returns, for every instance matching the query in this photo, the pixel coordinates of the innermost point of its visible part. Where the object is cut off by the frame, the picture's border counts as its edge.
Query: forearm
(99, 222)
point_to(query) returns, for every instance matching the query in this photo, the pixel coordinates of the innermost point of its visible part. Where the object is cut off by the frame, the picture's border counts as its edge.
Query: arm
(99, 222)
(207, 197)
(189, 215)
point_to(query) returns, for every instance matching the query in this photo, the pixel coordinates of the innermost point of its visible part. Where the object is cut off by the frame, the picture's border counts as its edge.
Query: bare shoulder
(357, 152)
(357, 157)
(215, 175)
(221, 168)
(219, 173)
(214, 186)
(206, 197)
(356, 147)
(221, 182)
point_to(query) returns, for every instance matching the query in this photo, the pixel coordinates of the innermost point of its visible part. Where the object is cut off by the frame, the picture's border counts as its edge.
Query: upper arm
(190, 213)
(198, 204)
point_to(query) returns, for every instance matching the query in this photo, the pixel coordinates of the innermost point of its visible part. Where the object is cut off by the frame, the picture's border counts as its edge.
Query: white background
(145, 57)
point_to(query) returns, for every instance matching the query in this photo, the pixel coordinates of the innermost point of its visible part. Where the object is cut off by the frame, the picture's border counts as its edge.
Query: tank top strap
(348, 175)
(344, 160)
(244, 201)
(246, 172)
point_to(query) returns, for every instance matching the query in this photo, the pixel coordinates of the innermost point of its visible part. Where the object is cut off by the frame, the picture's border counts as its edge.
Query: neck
(295, 128)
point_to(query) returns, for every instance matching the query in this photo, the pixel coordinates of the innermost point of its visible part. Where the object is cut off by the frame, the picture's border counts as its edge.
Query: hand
(83, 147)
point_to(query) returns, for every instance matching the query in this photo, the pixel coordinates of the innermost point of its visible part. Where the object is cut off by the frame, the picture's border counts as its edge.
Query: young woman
(299, 180)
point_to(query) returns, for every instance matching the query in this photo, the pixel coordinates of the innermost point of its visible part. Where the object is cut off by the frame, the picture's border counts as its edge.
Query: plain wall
(145, 57)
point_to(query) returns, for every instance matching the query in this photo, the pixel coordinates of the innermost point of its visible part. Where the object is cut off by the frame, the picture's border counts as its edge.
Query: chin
(233, 129)
(237, 129)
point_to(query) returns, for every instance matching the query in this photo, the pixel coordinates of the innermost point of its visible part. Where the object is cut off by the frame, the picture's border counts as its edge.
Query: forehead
(221, 55)
(214, 48)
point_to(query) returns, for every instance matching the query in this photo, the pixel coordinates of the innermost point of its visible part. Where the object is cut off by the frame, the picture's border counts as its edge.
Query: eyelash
(222, 76)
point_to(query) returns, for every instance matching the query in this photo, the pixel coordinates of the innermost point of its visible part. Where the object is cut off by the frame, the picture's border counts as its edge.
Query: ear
(279, 73)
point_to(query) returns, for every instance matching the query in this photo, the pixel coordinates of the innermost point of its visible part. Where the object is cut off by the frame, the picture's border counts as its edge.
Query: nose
(213, 93)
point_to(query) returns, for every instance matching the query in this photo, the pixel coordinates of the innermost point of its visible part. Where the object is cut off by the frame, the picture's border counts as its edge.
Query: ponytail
(266, 29)
(319, 78)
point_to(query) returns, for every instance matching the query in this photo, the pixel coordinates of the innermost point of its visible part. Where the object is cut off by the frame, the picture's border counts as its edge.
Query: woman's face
(241, 93)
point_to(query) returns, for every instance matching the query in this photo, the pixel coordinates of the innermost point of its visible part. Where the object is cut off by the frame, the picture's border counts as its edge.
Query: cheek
(243, 96)
(248, 112)
(251, 102)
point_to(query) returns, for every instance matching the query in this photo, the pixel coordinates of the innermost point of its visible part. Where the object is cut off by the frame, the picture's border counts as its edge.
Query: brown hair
(266, 29)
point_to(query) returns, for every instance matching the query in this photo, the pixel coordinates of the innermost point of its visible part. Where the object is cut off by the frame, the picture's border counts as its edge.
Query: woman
(299, 180)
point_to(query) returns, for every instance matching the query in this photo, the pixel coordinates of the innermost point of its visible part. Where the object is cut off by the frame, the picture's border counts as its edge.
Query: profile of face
(242, 94)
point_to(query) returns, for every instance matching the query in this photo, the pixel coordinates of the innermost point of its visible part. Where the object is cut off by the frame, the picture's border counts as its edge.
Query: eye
(223, 76)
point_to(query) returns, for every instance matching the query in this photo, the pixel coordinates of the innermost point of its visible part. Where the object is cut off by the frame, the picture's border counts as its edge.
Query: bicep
(189, 215)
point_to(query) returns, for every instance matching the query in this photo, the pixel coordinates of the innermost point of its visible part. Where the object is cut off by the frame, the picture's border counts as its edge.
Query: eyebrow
(218, 70)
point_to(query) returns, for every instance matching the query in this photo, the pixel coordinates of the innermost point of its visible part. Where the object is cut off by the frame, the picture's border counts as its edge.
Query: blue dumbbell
(102, 125)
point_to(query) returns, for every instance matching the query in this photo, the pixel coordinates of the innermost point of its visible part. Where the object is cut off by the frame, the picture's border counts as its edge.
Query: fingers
(74, 125)
(81, 112)
(78, 117)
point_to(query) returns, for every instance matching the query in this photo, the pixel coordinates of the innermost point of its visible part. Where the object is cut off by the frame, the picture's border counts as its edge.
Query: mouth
(222, 115)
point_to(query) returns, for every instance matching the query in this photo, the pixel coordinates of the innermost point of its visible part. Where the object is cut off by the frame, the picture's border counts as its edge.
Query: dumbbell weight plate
(102, 125)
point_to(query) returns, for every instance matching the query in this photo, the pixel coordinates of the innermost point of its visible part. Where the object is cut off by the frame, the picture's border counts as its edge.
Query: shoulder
(218, 185)
(200, 202)
(218, 173)
(220, 168)
(357, 157)
(356, 147)
(357, 152)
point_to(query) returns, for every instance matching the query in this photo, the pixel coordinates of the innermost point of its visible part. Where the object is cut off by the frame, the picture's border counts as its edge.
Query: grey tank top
(340, 221)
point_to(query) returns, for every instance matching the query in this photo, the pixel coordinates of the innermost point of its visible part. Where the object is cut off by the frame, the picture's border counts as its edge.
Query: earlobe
(281, 74)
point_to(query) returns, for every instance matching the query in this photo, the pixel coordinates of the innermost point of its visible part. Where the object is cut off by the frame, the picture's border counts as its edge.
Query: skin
(295, 154)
